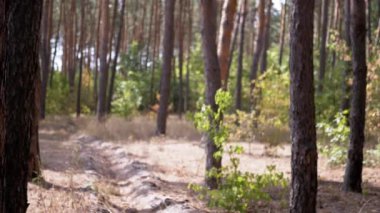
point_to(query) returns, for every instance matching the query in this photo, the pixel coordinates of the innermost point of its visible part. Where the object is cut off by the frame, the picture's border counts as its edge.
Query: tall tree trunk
(181, 34)
(319, 21)
(45, 53)
(166, 66)
(147, 54)
(264, 60)
(303, 132)
(71, 45)
(3, 39)
(156, 48)
(283, 30)
(347, 72)
(56, 40)
(116, 57)
(97, 52)
(81, 47)
(323, 52)
(103, 74)
(189, 43)
(213, 81)
(259, 46)
(234, 42)
(354, 167)
(239, 76)
(19, 78)
(225, 32)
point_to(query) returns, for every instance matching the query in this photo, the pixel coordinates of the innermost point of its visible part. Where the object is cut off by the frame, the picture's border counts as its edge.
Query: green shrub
(336, 137)
(237, 191)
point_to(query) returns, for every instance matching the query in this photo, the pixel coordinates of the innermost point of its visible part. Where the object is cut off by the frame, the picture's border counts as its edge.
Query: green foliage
(127, 98)
(241, 191)
(59, 100)
(238, 191)
(211, 122)
(336, 135)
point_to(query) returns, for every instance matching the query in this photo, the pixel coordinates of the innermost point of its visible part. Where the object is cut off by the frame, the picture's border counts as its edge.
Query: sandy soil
(83, 172)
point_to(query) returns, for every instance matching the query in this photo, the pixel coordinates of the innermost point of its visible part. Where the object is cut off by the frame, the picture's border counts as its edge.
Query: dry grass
(140, 128)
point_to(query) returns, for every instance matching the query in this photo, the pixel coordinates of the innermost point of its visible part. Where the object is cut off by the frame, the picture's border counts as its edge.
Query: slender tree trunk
(56, 40)
(166, 66)
(354, 167)
(283, 30)
(71, 45)
(112, 32)
(156, 47)
(97, 51)
(189, 43)
(319, 21)
(181, 35)
(213, 81)
(264, 60)
(259, 46)
(234, 42)
(238, 95)
(347, 72)
(81, 47)
(147, 54)
(323, 52)
(303, 132)
(103, 74)
(116, 57)
(19, 78)
(45, 54)
(225, 33)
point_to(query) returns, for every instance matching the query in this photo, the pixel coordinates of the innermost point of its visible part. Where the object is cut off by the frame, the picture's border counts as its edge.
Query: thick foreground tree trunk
(302, 109)
(354, 167)
(213, 80)
(19, 68)
(166, 66)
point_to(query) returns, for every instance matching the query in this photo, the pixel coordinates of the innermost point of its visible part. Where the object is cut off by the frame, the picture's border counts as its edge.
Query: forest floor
(120, 167)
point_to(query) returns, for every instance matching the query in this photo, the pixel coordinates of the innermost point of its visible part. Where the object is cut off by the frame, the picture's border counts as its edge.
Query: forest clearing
(86, 173)
(177, 106)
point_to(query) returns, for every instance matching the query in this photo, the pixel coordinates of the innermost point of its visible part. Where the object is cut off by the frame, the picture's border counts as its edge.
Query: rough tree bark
(19, 78)
(166, 66)
(302, 109)
(225, 32)
(103, 74)
(354, 167)
(213, 80)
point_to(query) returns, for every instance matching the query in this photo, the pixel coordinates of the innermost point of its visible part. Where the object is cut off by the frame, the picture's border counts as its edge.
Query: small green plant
(337, 136)
(238, 191)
